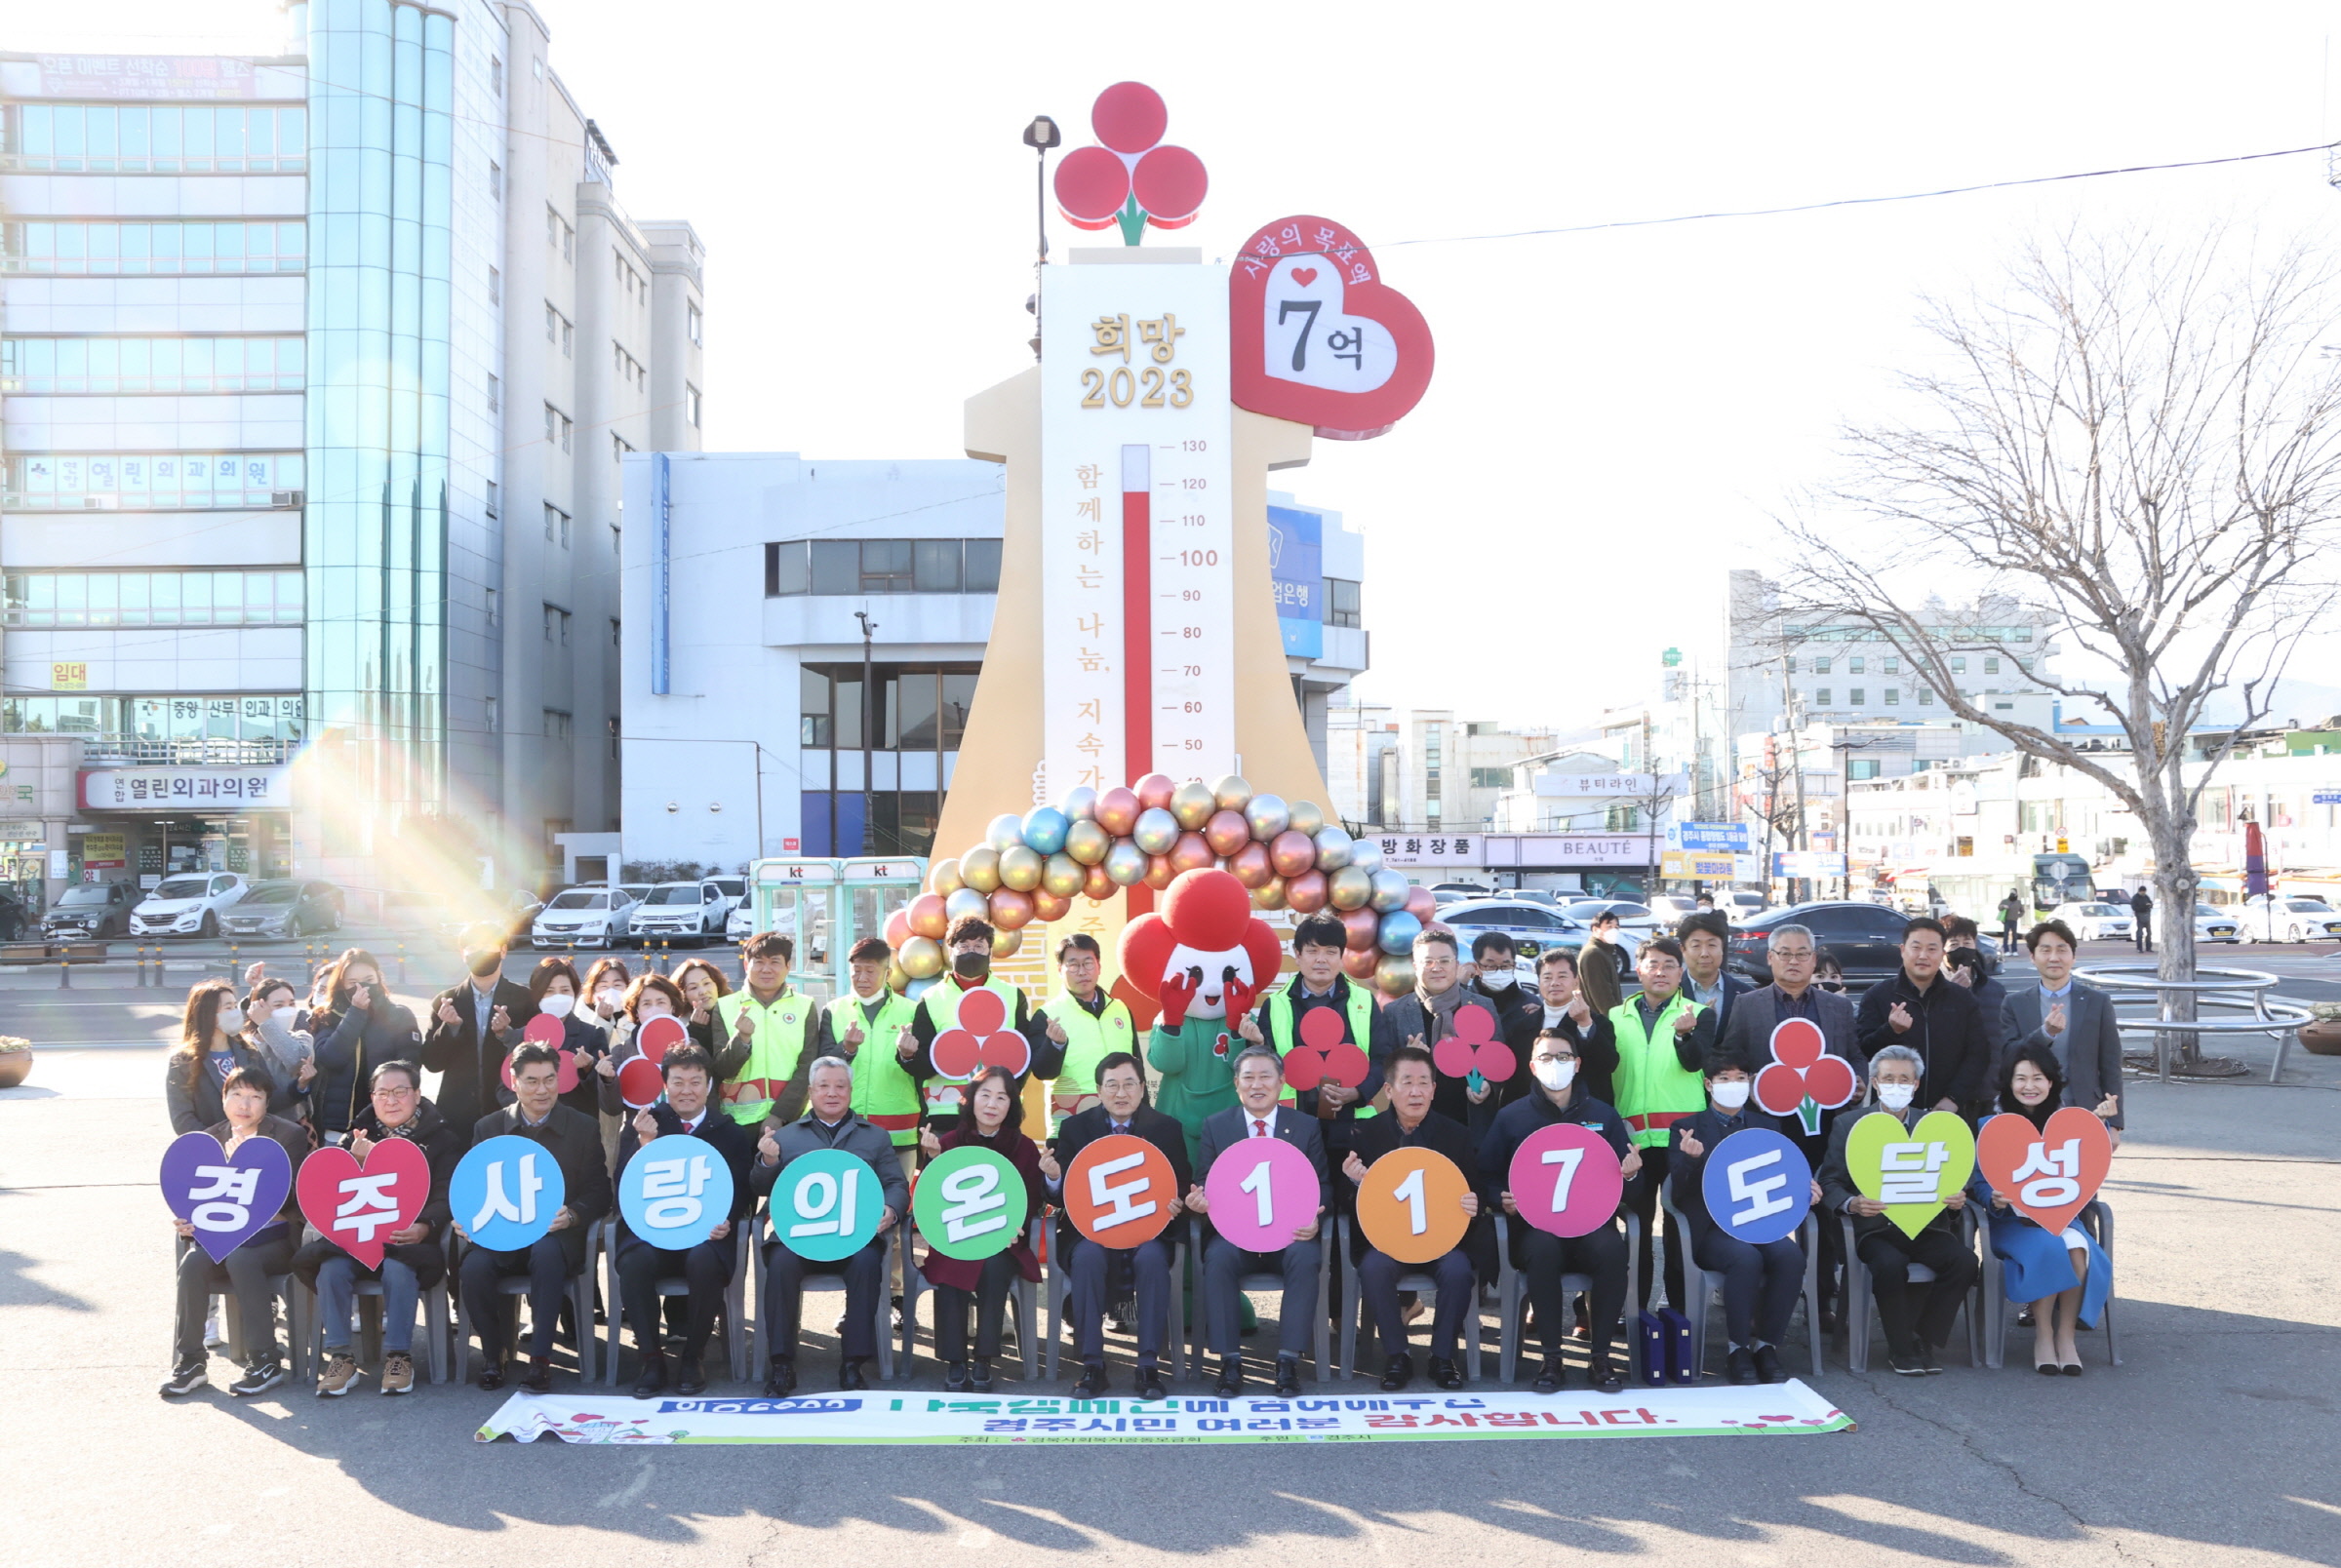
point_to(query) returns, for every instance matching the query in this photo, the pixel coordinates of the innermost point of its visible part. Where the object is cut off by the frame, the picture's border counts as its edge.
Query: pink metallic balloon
(898, 929)
(1118, 812)
(1227, 833)
(1097, 887)
(1362, 931)
(927, 917)
(1359, 966)
(1160, 871)
(1012, 910)
(1422, 904)
(1049, 906)
(1251, 866)
(1293, 853)
(1156, 789)
(1307, 893)
(1191, 854)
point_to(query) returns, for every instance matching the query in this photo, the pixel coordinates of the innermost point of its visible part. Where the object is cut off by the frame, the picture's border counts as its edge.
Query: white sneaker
(213, 1339)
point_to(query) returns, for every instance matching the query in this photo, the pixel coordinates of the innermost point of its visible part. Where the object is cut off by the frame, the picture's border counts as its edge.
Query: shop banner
(131, 788)
(873, 1416)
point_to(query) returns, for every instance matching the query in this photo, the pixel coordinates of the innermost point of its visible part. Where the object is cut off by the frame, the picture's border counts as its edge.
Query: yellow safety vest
(773, 1051)
(885, 1094)
(1360, 1010)
(1655, 1090)
(942, 1007)
(1089, 1040)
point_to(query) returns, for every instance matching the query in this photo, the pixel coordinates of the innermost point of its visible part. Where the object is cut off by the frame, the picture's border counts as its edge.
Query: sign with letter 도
(969, 1203)
(1410, 1205)
(826, 1205)
(1758, 1186)
(359, 1206)
(505, 1193)
(226, 1197)
(675, 1192)
(1565, 1179)
(1119, 1190)
(1913, 1169)
(1261, 1191)
(2049, 1174)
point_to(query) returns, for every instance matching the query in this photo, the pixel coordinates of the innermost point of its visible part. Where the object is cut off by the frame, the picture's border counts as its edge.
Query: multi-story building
(747, 716)
(315, 374)
(1451, 772)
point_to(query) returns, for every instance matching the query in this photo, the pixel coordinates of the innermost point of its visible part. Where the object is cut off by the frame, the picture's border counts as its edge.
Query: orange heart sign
(1410, 1205)
(2049, 1174)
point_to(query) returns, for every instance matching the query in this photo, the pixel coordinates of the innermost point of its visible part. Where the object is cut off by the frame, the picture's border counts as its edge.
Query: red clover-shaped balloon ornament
(1474, 1048)
(1323, 1055)
(1801, 1079)
(1133, 178)
(982, 1038)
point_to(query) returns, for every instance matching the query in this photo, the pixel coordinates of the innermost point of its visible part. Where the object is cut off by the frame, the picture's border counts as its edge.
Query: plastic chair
(895, 1247)
(1512, 1295)
(1321, 1342)
(1862, 1306)
(1023, 1306)
(2098, 1219)
(1057, 1281)
(1354, 1323)
(731, 1315)
(286, 1288)
(580, 1298)
(1708, 1287)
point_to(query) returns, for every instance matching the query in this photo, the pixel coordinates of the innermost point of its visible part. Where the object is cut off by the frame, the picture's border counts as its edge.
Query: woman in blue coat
(2063, 1279)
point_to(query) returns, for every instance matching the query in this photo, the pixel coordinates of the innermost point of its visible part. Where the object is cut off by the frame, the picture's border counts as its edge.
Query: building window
(496, 75)
(1894, 696)
(492, 491)
(171, 480)
(492, 607)
(496, 180)
(556, 725)
(1820, 697)
(880, 566)
(614, 632)
(559, 234)
(495, 389)
(79, 247)
(618, 447)
(613, 737)
(556, 625)
(1991, 666)
(1624, 818)
(35, 599)
(1860, 768)
(557, 426)
(494, 726)
(162, 138)
(1341, 602)
(691, 405)
(695, 324)
(1855, 665)
(1820, 666)
(1857, 696)
(68, 365)
(983, 567)
(496, 287)
(557, 330)
(1491, 778)
(616, 541)
(556, 524)
(1925, 696)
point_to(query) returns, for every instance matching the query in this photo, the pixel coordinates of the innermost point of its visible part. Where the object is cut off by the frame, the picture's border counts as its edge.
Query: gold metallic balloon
(1049, 906)
(1012, 910)
(1158, 872)
(1117, 811)
(1270, 895)
(1349, 888)
(1192, 803)
(898, 978)
(1266, 816)
(959, 906)
(1063, 874)
(1394, 976)
(979, 869)
(1231, 794)
(1020, 868)
(1307, 893)
(1088, 843)
(1227, 833)
(1293, 853)
(1308, 816)
(922, 956)
(943, 877)
(926, 916)
(1005, 943)
(1156, 789)
(1125, 864)
(1191, 854)
(1097, 887)
(1157, 830)
(1251, 866)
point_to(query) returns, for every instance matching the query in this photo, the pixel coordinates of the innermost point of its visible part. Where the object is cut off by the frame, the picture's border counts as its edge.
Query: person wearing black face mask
(969, 944)
(1518, 1010)
(473, 1026)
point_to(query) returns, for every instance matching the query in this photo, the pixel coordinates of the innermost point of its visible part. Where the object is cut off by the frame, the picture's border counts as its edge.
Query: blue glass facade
(376, 529)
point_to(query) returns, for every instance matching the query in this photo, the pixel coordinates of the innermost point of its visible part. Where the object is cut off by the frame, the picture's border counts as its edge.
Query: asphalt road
(2213, 1444)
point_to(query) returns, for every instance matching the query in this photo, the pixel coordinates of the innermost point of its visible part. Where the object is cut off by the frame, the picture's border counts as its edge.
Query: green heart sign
(1912, 1169)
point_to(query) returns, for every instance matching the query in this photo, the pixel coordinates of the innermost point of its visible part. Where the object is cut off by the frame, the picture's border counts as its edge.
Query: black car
(1864, 940)
(12, 918)
(90, 911)
(291, 910)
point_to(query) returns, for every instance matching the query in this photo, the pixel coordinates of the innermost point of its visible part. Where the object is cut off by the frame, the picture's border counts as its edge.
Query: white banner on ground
(878, 1417)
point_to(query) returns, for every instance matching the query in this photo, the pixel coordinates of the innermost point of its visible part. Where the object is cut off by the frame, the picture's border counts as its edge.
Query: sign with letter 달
(1913, 1169)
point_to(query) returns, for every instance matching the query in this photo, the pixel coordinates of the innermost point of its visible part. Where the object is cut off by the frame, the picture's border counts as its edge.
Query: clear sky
(1614, 413)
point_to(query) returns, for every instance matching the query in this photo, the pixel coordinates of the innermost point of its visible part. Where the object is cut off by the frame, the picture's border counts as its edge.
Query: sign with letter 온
(675, 1192)
(969, 1203)
(505, 1193)
(1758, 1186)
(1137, 532)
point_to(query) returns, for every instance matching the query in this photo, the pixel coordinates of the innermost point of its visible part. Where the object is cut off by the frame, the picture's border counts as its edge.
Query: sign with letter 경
(675, 1192)
(1758, 1186)
(826, 1205)
(505, 1193)
(1119, 1190)
(969, 1203)
(226, 1197)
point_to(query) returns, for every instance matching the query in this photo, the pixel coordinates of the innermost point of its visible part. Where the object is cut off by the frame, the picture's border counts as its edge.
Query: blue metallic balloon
(1398, 931)
(1044, 829)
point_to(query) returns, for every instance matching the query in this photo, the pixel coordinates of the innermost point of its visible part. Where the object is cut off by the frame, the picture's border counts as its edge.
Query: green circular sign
(826, 1205)
(969, 1203)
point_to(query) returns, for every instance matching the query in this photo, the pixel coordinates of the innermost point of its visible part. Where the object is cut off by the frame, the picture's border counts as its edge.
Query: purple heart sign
(226, 1198)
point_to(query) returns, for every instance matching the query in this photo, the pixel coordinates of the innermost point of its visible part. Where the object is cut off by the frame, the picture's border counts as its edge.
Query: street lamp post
(1040, 136)
(869, 706)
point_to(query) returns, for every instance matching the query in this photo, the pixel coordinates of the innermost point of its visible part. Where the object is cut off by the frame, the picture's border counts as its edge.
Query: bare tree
(2136, 440)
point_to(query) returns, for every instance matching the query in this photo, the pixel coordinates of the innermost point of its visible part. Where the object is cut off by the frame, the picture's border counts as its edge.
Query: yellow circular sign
(1410, 1205)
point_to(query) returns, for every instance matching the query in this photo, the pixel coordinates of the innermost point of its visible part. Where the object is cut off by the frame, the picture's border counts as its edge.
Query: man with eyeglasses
(412, 1263)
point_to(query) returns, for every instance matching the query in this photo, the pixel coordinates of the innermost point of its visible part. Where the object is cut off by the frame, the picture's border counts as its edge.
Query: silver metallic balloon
(1390, 888)
(1332, 849)
(966, 901)
(1157, 830)
(1006, 832)
(1081, 806)
(1266, 816)
(1125, 864)
(1365, 855)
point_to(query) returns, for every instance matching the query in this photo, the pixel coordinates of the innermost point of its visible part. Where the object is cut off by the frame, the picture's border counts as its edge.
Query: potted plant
(15, 1060)
(2321, 1038)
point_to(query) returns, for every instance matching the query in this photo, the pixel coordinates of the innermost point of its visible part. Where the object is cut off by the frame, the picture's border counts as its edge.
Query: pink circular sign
(1261, 1191)
(1564, 1179)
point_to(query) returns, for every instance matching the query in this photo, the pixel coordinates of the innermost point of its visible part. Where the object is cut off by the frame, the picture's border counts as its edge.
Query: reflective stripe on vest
(885, 1094)
(1360, 1011)
(1655, 1090)
(773, 1051)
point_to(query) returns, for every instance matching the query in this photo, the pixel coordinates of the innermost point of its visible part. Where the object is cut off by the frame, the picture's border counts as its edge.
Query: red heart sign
(2047, 1175)
(1318, 338)
(640, 1082)
(1474, 1048)
(1323, 1055)
(358, 1207)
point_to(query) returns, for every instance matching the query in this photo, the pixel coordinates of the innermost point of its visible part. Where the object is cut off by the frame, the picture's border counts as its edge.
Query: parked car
(1640, 918)
(688, 912)
(2097, 922)
(1532, 927)
(583, 916)
(291, 910)
(189, 904)
(1864, 940)
(90, 911)
(2215, 926)
(1455, 892)
(733, 888)
(1671, 906)
(2289, 918)
(1740, 903)
(1534, 895)
(740, 924)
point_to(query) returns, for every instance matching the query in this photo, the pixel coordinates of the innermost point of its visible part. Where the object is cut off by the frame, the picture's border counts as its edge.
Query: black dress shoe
(849, 1375)
(1288, 1375)
(653, 1380)
(491, 1377)
(1231, 1376)
(781, 1379)
(1150, 1381)
(955, 1377)
(539, 1378)
(1550, 1377)
(1608, 1378)
(1091, 1382)
(1768, 1365)
(1740, 1366)
(980, 1379)
(692, 1380)
(1397, 1373)
(1445, 1374)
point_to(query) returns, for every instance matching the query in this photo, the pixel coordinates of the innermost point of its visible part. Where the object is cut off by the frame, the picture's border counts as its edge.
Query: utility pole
(1040, 136)
(869, 785)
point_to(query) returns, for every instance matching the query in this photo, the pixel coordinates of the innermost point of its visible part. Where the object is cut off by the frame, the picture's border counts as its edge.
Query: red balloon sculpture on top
(1133, 178)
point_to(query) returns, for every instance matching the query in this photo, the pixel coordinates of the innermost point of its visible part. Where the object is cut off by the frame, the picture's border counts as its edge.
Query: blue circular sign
(505, 1193)
(675, 1192)
(1758, 1186)
(826, 1205)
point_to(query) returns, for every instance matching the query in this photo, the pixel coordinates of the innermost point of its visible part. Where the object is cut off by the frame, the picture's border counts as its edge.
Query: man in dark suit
(690, 1075)
(575, 1141)
(1705, 937)
(2072, 1018)
(1259, 1079)
(1939, 1020)
(1412, 1125)
(1098, 1270)
(472, 1026)
(1748, 1033)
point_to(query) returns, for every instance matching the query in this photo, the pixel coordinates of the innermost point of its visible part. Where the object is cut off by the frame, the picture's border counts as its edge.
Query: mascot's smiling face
(1205, 956)
(1210, 994)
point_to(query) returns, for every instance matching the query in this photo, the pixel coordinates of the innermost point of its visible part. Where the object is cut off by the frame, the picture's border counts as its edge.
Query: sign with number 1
(1564, 1179)
(1261, 1191)
(1410, 1205)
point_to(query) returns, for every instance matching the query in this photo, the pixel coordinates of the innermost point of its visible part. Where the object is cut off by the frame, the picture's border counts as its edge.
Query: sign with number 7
(1565, 1179)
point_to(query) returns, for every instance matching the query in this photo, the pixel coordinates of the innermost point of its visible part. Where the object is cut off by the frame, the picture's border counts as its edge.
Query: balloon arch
(1095, 846)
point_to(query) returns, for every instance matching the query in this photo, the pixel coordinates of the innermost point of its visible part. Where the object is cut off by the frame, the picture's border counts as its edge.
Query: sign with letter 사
(826, 1205)
(1410, 1205)
(1758, 1186)
(969, 1203)
(1119, 1190)
(675, 1192)
(1565, 1179)
(505, 1193)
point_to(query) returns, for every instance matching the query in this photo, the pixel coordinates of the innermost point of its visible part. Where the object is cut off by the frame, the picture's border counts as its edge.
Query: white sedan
(584, 918)
(2289, 918)
(2095, 921)
(2216, 926)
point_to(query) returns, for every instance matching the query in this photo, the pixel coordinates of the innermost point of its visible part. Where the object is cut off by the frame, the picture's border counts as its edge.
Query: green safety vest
(1655, 1090)
(773, 1051)
(885, 1094)
(942, 1096)
(1089, 1040)
(1361, 1024)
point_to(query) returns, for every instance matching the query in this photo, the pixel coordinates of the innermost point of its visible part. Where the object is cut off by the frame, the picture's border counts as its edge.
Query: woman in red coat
(960, 1282)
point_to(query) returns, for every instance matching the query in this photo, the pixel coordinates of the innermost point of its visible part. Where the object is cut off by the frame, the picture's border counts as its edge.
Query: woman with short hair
(243, 1096)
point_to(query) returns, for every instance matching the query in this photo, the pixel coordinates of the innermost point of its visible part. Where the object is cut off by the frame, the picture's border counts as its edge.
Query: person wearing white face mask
(1543, 1257)
(290, 1054)
(554, 988)
(1759, 1282)
(1917, 1317)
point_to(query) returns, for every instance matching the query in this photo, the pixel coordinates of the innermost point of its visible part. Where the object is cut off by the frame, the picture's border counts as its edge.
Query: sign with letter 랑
(675, 1192)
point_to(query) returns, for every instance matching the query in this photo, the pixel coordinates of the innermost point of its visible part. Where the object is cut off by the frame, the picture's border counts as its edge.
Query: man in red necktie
(1259, 1079)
